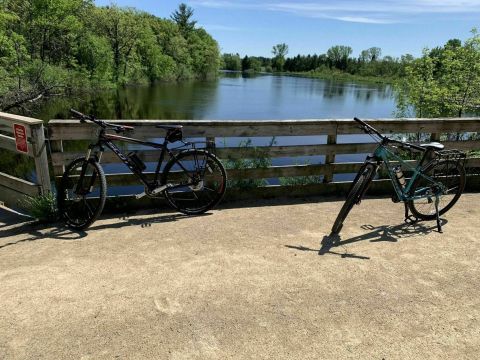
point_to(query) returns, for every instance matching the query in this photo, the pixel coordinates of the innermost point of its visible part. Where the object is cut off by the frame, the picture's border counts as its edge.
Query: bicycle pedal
(159, 189)
(139, 196)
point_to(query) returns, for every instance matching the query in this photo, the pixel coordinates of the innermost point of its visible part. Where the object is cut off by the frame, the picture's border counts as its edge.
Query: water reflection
(190, 100)
(234, 96)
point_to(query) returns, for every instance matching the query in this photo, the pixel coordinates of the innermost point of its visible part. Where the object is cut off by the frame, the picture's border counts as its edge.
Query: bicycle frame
(105, 139)
(383, 155)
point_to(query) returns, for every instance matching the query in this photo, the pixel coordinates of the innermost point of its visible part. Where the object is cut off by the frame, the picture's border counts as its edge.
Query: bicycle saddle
(433, 145)
(170, 127)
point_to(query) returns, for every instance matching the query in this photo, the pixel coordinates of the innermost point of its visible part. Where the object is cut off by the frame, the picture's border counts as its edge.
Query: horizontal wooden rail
(20, 185)
(74, 130)
(8, 143)
(125, 179)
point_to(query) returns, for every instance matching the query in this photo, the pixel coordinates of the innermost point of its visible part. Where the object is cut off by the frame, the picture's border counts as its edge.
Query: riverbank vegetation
(445, 81)
(336, 63)
(58, 47)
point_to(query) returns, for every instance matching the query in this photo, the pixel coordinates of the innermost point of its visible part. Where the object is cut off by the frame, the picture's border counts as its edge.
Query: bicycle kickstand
(409, 219)
(439, 225)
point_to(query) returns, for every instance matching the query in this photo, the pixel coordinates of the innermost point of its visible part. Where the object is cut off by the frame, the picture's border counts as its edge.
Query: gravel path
(253, 282)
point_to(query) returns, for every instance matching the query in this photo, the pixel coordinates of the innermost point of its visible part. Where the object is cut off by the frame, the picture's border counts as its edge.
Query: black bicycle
(435, 185)
(193, 180)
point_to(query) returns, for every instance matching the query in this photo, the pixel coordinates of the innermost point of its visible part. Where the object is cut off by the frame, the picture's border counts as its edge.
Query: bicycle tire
(446, 203)
(353, 196)
(69, 201)
(191, 195)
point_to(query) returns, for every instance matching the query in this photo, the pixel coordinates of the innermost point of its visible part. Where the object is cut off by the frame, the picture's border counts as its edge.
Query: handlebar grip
(77, 114)
(360, 121)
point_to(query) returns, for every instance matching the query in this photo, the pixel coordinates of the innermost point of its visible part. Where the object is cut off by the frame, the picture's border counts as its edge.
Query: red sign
(20, 137)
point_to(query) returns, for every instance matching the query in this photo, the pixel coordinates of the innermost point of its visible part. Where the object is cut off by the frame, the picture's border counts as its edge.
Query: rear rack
(453, 155)
(208, 145)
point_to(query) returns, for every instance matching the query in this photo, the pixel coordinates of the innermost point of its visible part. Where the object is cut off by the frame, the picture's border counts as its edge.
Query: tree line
(56, 47)
(338, 58)
(444, 81)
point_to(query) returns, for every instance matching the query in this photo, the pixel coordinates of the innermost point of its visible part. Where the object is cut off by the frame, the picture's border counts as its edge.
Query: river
(234, 97)
(230, 97)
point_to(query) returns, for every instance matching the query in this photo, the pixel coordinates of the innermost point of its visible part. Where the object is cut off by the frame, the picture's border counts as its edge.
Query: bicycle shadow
(34, 231)
(386, 233)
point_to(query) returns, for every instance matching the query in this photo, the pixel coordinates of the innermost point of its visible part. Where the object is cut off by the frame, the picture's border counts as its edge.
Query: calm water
(235, 97)
(232, 97)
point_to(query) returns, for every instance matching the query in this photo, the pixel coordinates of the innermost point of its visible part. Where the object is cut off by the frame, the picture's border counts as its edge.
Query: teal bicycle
(435, 184)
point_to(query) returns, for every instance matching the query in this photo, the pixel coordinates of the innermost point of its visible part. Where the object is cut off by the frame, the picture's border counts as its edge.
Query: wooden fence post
(435, 137)
(330, 159)
(210, 145)
(41, 159)
(57, 147)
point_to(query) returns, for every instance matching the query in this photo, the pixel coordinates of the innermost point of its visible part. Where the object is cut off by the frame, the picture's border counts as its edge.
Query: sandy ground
(253, 282)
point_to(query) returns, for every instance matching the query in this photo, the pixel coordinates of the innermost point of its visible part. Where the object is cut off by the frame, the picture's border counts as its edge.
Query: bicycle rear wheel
(354, 196)
(81, 194)
(196, 181)
(449, 173)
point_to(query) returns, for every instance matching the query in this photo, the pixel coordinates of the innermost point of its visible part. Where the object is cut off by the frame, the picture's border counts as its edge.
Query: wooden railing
(31, 130)
(330, 144)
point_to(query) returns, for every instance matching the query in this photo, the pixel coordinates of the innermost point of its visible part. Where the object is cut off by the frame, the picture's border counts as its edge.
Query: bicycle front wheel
(451, 175)
(353, 196)
(196, 181)
(81, 194)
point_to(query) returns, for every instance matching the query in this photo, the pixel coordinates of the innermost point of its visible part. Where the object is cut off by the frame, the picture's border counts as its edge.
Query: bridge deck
(248, 282)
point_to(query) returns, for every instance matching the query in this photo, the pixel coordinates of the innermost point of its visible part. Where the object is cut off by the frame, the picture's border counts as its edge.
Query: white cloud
(366, 11)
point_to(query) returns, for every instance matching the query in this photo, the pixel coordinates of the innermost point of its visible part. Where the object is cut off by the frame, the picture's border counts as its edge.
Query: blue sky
(252, 27)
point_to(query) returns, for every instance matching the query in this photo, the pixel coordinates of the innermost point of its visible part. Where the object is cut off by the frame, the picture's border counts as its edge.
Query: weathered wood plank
(56, 147)
(58, 159)
(6, 127)
(236, 153)
(123, 179)
(12, 118)
(19, 185)
(442, 125)
(41, 160)
(8, 143)
(74, 130)
(330, 158)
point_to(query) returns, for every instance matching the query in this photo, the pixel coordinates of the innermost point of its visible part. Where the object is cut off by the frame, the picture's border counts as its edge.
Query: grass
(42, 207)
(340, 75)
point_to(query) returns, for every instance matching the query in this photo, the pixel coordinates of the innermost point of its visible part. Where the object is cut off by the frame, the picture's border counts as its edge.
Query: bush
(42, 207)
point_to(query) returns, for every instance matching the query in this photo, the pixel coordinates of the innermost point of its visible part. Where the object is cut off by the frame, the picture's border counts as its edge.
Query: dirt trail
(245, 283)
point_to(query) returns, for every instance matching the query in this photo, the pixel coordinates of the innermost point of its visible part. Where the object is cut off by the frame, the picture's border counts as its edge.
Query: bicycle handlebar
(370, 129)
(103, 124)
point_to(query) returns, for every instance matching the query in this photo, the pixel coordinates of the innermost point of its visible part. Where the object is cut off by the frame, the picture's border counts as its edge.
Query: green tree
(232, 62)
(122, 29)
(182, 17)
(279, 52)
(54, 47)
(444, 82)
(338, 56)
